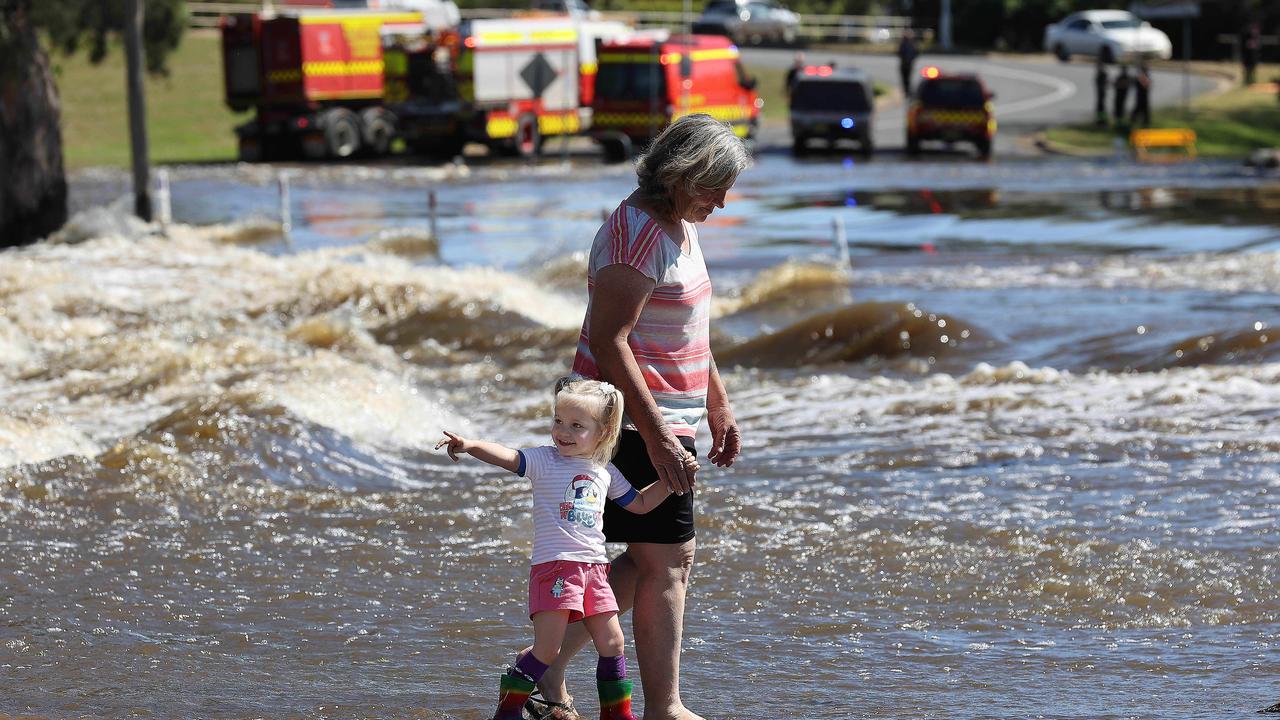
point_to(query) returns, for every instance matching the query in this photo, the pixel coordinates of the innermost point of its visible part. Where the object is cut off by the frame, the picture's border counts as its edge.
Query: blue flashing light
(846, 123)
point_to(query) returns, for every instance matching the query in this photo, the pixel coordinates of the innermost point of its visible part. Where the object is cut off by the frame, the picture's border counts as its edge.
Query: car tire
(527, 142)
(1060, 51)
(341, 133)
(799, 146)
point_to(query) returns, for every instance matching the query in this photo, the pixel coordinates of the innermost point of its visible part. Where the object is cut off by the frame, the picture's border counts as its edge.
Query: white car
(1107, 34)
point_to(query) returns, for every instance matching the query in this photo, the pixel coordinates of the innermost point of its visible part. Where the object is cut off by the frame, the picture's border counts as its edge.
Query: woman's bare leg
(661, 579)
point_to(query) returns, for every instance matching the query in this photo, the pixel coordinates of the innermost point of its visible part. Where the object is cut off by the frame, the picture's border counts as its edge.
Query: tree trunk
(33, 184)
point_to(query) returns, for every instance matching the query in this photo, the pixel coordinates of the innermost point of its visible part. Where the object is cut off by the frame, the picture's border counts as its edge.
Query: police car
(951, 107)
(831, 104)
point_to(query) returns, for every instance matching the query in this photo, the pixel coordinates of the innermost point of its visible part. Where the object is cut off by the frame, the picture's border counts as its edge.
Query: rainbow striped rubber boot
(513, 694)
(615, 699)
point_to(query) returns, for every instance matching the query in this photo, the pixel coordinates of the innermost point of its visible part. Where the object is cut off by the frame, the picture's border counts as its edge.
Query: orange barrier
(1144, 140)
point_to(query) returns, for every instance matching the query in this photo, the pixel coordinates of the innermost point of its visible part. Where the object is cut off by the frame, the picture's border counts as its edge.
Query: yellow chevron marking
(337, 68)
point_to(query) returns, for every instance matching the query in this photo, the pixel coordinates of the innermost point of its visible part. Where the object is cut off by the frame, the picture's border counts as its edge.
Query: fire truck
(506, 83)
(313, 74)
(646, 82)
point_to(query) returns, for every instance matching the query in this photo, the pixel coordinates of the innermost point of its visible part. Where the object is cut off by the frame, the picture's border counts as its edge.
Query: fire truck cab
(646, 82)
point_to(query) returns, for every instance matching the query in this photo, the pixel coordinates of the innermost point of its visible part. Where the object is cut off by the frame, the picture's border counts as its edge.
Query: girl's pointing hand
(456, 444)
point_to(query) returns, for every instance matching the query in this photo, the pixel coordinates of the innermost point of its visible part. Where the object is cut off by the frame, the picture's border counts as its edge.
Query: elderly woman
(646, 331)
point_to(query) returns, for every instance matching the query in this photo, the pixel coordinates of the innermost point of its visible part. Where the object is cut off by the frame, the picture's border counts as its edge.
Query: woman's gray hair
(693, 154)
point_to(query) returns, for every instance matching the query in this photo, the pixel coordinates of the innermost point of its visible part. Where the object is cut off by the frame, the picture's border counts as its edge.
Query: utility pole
(137, 109)
(944, 25)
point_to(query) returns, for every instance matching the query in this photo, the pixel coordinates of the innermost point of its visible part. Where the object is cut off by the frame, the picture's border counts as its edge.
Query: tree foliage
(70, 26)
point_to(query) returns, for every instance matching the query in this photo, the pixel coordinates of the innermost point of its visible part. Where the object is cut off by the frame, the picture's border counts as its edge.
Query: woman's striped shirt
(670, 340)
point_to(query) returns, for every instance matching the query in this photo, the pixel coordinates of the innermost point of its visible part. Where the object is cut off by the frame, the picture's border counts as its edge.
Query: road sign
(538, 74)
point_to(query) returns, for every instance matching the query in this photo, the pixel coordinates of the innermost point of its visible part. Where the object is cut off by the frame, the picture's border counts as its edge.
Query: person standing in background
(1141, 97)
(1250, 45)
(797, 65)
(1121, 99)
(907, 53)
(1100, 82)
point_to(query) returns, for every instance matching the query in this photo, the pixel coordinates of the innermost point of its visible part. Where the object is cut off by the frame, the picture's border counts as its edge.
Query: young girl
(569, 580)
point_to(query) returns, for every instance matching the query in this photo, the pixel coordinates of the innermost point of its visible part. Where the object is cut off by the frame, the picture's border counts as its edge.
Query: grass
(1230, 124)
(186, 118)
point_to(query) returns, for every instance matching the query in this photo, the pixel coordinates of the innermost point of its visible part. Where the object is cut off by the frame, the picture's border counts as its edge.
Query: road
(1032, 93)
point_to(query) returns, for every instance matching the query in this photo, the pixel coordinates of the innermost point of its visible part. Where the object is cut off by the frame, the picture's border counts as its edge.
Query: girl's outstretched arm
(490, 452)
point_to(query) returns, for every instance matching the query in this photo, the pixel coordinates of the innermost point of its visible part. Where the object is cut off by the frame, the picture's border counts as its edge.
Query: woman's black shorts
(669, 523)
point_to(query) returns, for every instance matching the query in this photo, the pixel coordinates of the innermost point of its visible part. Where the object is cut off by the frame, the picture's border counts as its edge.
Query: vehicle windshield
(1122, 24)
(629, 81)
(944, 91)
(832, 96)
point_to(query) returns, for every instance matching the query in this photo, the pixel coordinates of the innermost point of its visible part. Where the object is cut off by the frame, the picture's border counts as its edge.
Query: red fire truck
(314, 76)
(647, 81)
(507, 83)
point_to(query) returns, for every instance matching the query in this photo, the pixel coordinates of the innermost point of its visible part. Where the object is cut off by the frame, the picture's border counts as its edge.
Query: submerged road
(1032, 93)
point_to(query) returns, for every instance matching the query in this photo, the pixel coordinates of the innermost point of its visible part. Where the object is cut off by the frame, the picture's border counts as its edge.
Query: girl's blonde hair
(606, 403)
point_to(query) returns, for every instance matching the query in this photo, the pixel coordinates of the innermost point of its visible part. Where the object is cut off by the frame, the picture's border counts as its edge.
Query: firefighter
(1100, 82)
(1121, 99)
(1141, 97)
(907, 53)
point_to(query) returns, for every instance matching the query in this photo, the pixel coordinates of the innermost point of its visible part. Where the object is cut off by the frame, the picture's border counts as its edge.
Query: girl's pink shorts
(581, 588)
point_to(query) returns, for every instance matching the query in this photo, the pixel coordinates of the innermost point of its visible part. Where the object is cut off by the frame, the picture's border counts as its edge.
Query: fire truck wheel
(341, 133)
(913, 145)
(615, 151)
(527, 141)
(379, 130)
(984, 149)
(799, 145)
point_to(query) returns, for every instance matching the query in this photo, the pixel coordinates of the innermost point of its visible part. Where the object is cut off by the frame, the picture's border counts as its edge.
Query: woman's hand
(726, 440)
(457, 444)
(675, 466)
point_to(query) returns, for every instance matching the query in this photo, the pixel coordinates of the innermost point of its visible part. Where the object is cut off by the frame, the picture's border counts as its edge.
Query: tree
(33, 186)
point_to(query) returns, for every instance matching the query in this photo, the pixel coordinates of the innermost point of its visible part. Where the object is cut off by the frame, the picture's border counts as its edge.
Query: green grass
(1231, 124)
(186, 118)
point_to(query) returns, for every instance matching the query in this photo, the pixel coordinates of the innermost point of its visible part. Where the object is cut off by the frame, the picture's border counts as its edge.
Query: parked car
(749, 21)
(951, 107)
(1107, 34)
(831, 104)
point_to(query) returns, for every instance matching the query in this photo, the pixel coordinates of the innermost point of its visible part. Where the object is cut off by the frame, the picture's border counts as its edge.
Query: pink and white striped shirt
(670, 340)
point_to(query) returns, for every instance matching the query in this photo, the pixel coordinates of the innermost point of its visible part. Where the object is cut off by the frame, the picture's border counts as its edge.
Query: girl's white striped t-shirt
(568, 504)
(671, 338)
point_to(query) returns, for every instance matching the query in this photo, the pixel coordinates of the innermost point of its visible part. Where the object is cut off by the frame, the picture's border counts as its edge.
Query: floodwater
(1020, 459)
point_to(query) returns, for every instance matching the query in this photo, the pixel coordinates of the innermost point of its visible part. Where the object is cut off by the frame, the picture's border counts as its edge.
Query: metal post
(1186, 66)
(944, 24)
(137, 108)
(841, 241)
(286, 212)
(432, 215)
(165, 198)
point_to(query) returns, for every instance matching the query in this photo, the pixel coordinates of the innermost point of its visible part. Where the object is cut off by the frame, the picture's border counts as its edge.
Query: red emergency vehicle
(508, 83)
(314, 77)
(645, 82)
(951, 107)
